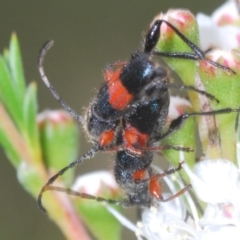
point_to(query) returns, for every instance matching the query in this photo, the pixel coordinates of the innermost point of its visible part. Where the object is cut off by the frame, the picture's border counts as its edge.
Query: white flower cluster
(221, 29)
(216, 183)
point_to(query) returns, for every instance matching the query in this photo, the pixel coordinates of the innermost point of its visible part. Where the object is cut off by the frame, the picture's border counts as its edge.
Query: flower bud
(170, 42)
(59, 141)
(96, 216)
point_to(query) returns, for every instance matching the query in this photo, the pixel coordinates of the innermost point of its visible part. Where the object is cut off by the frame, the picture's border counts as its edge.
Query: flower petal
(216, 181)
(212, 36)
(226, 14)
(161, 225)
(221, 214)
(91, 183)
(221, 233)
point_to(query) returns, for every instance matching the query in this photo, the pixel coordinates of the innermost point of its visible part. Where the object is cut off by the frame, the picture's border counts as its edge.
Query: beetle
(124, 88)
(132, 104)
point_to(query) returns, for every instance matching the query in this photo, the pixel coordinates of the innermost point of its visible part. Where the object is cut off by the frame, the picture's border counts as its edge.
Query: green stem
(60, 207)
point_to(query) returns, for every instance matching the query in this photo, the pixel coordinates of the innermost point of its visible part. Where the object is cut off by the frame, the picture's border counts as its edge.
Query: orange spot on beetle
(119, 97)
(139, 175)
(155, 188)
(106, 138)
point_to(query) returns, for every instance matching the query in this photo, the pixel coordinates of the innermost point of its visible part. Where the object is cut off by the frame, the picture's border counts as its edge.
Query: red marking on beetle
(119, 97)
(155, 188)
(132, 138)
(139, 175)
(108, 75)
(106, 138)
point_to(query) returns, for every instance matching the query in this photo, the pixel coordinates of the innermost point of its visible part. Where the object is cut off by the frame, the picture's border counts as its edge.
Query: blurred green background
(87, 35)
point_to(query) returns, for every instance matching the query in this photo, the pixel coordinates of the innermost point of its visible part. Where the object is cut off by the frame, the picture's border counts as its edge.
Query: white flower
(164, 221)
(220, 30)
(221, 233)
(220, 214)
(226, 14)
(216, 181)
(158, 223)
(92, 183)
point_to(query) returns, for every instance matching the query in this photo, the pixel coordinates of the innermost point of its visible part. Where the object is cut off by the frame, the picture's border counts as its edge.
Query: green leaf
(16, 67)
(6, 56)
(30, 121)
(8, 94)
